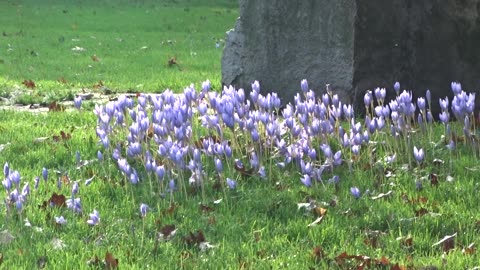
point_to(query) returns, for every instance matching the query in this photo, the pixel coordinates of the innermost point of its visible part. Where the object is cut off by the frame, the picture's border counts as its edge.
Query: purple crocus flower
(456, 88)
(160, 172)
(444, 104)
(396, 87)
(60, 220)
(6, 169)
(7, 184)
(134, 177)
(143, 210)
(337, 158)
(15, 177)
(26, 190)
(171, 186)
(75, 188)
(306, 180)
(99, 156)
(45, 174)
(304, 85)
(74, 204)
(231, 183)
(94, 218)
(367, 99)
(262, 173)
(421, 103)
(418, 154)
(218, 165)
(19, 203)
(444, 117)
(124, 166)
(77, 101)
(355, 192)
(428, 95)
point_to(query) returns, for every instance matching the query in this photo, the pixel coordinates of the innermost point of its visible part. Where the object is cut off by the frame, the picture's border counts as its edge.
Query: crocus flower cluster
(170, 136)
(16, 196)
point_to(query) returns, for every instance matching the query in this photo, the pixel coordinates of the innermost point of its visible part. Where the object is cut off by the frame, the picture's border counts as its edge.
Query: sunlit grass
(256, 225)
(126, 46)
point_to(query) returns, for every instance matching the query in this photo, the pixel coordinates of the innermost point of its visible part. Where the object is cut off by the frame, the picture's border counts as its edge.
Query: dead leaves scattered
(166, 232)
(56, 107)
(192, 239)
(29, 84)
(63, 136)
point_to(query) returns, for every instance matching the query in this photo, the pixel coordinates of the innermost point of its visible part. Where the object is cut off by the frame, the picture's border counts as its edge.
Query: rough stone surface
(355, 46)
(281, 42)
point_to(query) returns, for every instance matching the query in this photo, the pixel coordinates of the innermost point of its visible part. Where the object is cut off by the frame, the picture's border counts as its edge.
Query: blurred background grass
(128, 45)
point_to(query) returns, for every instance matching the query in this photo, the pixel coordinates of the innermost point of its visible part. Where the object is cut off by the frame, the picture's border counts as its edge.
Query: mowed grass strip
(127, 46)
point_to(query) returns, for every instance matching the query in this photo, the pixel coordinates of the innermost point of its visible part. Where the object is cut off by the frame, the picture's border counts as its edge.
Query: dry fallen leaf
(110, 261)
(382, 195)
(316, 222)
(469, 250)
(29, 84)
(166, 232)
(447, 242)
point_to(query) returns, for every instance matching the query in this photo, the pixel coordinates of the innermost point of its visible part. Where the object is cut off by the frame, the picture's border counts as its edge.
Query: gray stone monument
(355, 46)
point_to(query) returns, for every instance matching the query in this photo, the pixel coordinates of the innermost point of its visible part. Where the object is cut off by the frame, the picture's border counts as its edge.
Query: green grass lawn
(271, 222)
(63, 46)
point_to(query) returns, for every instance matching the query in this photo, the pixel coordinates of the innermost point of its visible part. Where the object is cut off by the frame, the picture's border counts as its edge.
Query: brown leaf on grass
(167, 232)
(418, 200)
(98, 85)
(319, 211)
(382, 195)
(55, 107)
(383, 261)
(469, 250)
(318, 254)
(333, 203)
(95, 58)
(371, 240)
(110, 261)
(55, 200)
(343, 258)
(433, 179)
(407, 242)
(206, 208)
(398, 267)
(243, 171)
(172, 61)
(170, 210)
(194, 238)
(29, 84)
(447, 242)
(62, 80)
(62, 137)
(421, 212)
